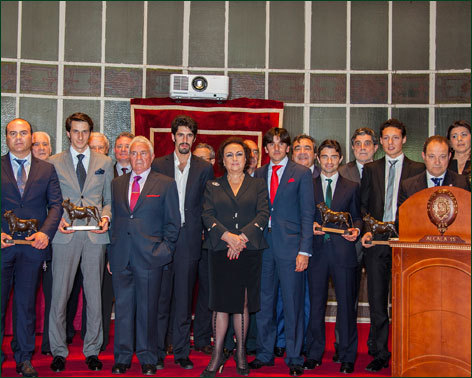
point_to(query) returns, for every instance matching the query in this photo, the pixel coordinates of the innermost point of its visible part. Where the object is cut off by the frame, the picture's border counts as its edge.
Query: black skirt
(229, 280)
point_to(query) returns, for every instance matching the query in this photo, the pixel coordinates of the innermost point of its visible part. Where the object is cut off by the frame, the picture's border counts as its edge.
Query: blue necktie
(21, 175)
(436, 180)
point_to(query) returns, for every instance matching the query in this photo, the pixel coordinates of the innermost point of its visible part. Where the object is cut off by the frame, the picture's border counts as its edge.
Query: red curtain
(217, 120)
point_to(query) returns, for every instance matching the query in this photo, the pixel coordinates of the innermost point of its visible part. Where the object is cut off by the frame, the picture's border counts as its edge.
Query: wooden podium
(431, 290)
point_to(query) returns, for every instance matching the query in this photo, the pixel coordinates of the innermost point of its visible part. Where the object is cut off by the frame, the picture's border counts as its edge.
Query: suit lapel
(244, 186)
(169, 166)
(338, 192)
(355, 171)
(8, 170)
(319, 197)
(144, 190)
(70, 170)
(192, 175)
(92, 167)
(32, 174)
(381, 178)
(405, 168)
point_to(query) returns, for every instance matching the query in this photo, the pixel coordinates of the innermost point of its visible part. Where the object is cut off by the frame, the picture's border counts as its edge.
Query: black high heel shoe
(211, 373)
(241, 370)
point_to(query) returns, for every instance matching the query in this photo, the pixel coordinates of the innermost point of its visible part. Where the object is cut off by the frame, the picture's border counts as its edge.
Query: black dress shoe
(207, 349)
(311, 364)
(257, 364)
(296, 370)
(336, 357)
(58, 364)
(160, 364)
(377, 364)
(347, 367)
(93, 363)
(184, 363)
(120, 368)
(148, 369)
(279, 352)
(26, 369)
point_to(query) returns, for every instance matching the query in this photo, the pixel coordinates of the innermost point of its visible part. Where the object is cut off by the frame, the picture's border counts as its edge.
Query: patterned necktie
(388, 208)
(124, 170)
(436, 180)
(21, 175)
(80, 170)
(274, 182)
(135, 190)
(328, 199)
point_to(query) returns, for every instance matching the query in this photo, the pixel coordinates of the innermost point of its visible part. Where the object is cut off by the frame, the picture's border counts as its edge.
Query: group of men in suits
(154, 247)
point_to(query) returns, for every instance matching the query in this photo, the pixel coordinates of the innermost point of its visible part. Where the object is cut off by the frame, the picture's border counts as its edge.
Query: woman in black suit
(458, 135)
(235, 213)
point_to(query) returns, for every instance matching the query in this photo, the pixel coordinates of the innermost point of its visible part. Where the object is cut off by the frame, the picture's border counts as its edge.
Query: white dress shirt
(324, 183)
(85, 160)
(181, 181)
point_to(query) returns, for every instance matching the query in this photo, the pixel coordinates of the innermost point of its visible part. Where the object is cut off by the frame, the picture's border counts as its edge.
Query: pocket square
(153, 195)
(291, 180)
(99, 171)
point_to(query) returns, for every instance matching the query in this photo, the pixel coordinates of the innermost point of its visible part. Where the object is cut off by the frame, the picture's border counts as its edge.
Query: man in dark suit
(436, 156)
(379, 193)
(146, 226)
(364, 144)
(334, 256)
(85, 178)
(191, 174)
(290, 238)
(30, 188)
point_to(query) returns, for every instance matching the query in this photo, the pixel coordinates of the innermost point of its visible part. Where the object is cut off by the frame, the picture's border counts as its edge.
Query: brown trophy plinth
(431, 290)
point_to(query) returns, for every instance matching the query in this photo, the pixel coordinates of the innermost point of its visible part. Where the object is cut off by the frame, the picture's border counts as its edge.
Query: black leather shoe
(26, 369)
(58, 364)
(336, 356)
(296, 370)
(93, 363)
(347, 367)
(120, 368)
(207, 349)
(279, 352)
(310, 364)
(257, 364)
(160, 364)
(184, 363)
(148, 369)
(377, 364)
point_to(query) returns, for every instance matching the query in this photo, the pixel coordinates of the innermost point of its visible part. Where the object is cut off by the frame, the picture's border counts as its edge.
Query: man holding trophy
(85, 178)
(333, 255)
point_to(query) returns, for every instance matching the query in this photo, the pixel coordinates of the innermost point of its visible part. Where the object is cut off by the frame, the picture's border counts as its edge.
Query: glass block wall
(336, 65)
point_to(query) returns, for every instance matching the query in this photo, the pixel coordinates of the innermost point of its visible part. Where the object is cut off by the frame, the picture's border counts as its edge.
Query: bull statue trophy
(20, 226)
(81, 212)
(337, 217)
(379, 227)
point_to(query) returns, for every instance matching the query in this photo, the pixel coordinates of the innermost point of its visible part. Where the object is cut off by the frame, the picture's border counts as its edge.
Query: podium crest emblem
(442, 209)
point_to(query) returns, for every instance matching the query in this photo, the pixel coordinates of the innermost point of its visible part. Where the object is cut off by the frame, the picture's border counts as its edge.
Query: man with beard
(191, 174)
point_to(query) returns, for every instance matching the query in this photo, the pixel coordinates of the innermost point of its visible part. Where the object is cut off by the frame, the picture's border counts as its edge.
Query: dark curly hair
(233, 140)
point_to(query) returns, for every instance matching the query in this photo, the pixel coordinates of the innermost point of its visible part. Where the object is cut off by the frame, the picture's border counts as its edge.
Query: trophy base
(331, 230)
(82, 228)
(19, 241)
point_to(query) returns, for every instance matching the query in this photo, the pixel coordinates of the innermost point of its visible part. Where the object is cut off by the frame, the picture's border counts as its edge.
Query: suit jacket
(292, 211)
(247, 212)
(350, 171)
(417, 183)
(200, 172)
(345, 198)
(373, 185)
(96, 191)
(41, 200)
(146, 236)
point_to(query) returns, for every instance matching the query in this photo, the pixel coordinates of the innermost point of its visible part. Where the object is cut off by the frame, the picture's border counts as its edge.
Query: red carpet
(76, 367)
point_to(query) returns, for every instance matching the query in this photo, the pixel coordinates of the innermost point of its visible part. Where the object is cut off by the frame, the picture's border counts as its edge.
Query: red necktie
(274, 182)
(135, 190)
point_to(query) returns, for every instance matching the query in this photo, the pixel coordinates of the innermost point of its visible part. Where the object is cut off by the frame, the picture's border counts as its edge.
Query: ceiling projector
(199, 87)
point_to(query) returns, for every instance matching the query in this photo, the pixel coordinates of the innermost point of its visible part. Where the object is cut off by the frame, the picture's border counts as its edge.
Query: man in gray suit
(85, 178)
